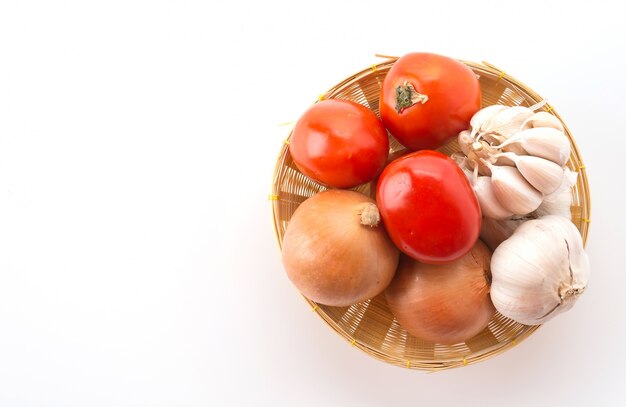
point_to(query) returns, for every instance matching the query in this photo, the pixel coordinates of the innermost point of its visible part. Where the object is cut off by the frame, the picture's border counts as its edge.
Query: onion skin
(331, 257)
(447, 303)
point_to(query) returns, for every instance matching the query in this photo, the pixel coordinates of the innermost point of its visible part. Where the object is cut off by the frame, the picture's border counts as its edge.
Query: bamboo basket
(370, 325)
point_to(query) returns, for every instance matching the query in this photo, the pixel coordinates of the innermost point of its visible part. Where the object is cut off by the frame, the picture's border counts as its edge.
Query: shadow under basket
(370, 325)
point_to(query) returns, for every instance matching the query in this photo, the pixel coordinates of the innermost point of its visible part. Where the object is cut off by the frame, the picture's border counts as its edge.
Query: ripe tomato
(426, 99)
(428, 207)
(339, 143)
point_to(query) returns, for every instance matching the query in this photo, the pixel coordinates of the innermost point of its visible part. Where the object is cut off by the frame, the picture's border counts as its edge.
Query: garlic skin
(543, 119)
(465, 140)
(507, 121)
(484, 115)
(540, 271)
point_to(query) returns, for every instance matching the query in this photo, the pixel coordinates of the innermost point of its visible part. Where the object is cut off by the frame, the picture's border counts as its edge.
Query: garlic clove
(489, 204)
(560, 201)
(513, 191)
(483, 115)
(544, 142)
(540, 271)
(542, 174)
(507, 121)
(543, 119)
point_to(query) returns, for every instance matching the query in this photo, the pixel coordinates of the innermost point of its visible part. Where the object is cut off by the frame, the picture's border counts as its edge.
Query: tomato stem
(407, 96)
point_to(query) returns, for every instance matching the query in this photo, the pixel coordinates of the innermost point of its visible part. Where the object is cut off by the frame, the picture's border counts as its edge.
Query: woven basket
(370, 325)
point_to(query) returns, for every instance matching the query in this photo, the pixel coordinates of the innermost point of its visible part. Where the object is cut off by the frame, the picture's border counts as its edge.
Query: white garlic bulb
(540, 271)
(533, 146)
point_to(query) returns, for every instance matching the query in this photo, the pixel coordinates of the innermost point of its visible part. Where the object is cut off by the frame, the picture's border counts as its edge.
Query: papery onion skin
(331, 257)
(444, 304)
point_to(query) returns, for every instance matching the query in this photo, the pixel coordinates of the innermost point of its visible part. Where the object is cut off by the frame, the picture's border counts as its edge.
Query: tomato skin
(428, 207)
(339, 143)
(453, 97)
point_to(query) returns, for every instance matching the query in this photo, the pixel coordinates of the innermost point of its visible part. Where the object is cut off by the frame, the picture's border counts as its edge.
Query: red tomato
(426, 99)
(339, 143)
(428, 207)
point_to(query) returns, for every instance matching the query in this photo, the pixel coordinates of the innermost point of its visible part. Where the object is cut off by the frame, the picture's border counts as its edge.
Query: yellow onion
(336, 251)
(447, 303)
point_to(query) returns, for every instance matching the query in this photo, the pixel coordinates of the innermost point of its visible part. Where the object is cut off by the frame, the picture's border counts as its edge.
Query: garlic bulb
(533, 146)
(540, 271)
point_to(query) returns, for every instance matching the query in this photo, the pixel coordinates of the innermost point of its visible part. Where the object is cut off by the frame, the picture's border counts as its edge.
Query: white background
(138, 264)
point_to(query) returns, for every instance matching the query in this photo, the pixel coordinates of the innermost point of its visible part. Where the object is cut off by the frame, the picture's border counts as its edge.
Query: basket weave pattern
(370, 325)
